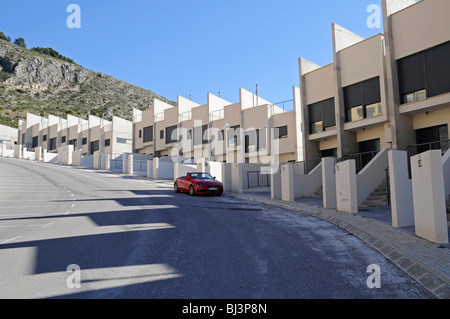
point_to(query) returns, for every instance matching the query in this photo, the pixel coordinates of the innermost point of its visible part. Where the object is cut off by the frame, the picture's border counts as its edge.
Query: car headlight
(200, 185)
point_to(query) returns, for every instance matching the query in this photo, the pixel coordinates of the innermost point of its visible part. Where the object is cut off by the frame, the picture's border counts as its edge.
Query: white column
(346, 192)
(275, 183)
(401, 189)
(287, 182)
(329, 183)
(429, 196)
(149, 169)
(38, 154)
(155, 167)
(130, 164)
(236, 178)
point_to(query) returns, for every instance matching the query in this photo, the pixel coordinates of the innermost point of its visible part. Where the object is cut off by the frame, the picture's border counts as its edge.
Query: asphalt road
(136, 238)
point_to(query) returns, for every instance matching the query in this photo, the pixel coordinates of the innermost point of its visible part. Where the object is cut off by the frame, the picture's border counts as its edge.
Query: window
(234, 135)
(281, 132)
(432, 138)
(148, 134)
(52, 145)
(255, 140)
(200, 136)
(140, 133)
(122, 140)
(161, 134)
(321, 116)
(95, 146)
(84, 141)
(171, 134)
(44, 138)
(332, 152)
(424, 74)
(362, 100)
(35, 141)
(108, 142)
(63, 139)
(73, 142)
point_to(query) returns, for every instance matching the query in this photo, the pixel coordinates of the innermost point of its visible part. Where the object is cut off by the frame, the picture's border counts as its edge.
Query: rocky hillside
(39, 84)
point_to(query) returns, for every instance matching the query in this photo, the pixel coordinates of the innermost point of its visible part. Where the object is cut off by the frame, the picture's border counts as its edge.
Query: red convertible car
(198, 183)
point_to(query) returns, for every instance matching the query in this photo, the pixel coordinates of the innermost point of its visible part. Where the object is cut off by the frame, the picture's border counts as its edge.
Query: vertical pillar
(155, 167)
(429, 196)
(329, 183)
(275, 182)
(37, 154)
(236, 178)
(346, 192)
(201, 165)
(149, 169)
(287, 182)
(402, 206)
(130, 164)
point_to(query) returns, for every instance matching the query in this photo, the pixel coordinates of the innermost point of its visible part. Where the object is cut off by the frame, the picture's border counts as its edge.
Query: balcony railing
(159, 117)
(137, 118)
(185, 116)
(216, 115)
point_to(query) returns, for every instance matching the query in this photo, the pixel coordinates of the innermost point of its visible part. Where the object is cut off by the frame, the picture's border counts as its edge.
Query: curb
(435, 282)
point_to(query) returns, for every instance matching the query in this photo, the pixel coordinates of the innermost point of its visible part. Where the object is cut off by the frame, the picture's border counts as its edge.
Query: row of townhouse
(389, 91)
(92, 135)
(189, 131)
(380, 95)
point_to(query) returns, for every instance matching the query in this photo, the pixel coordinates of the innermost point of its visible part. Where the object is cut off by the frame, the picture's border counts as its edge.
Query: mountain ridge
(41, 84)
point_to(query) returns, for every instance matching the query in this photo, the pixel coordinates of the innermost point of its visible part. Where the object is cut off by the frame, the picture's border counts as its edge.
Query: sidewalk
(426, 262)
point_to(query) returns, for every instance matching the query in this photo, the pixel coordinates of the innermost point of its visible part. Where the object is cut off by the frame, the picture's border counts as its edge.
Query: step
(385, 193)
(370, 203)
(378, 197)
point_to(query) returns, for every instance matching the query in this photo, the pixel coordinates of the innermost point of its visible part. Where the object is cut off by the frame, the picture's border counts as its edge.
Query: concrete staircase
(378, 197)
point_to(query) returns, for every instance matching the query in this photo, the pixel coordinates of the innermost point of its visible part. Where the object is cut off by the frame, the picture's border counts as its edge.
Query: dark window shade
(234, 135)
(261, 138)
(200, 135)
(35, 141)
(107, 142)
(148, 134)
(95, 146)
(171, 130)
(353, 95)
(84, 141)
(328, 113)
(63, 139)
(52, 145)
(44, 138)
(411, 73)
(281, 131)
(438, 70)
(371, 91)
(315, 112)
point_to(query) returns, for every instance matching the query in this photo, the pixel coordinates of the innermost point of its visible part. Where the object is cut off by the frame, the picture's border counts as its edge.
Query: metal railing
(361, 159)
(388, 186)
(185, 116)
(412, 150)
(216, 115)
(260, 182)
(137, 118)
(159, 117)
(309, 165)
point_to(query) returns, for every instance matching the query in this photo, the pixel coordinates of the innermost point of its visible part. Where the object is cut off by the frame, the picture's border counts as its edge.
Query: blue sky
(191, 47)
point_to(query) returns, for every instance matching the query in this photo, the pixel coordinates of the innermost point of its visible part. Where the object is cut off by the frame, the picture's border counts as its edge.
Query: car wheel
(175, 188)
(191, 190)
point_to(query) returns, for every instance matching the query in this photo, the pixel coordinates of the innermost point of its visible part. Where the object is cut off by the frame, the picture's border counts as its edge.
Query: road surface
(69, 232)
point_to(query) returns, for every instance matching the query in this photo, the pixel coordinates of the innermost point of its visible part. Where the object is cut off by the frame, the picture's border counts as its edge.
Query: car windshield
(201, 176)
